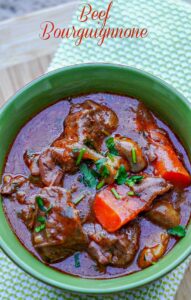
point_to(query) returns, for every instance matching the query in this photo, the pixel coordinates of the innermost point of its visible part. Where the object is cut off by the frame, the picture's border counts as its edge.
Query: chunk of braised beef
(90, 121)
(58, 231)
(17, 187)
(28, 215)
(117, 249)
(50, 172)
(11, 184)
(86, 121)
(31, 160)
(151, 187)
(20, 189)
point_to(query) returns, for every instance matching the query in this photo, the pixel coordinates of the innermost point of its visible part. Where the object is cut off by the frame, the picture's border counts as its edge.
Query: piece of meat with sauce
(167, 163)
(61, 232)
(117, 249)
(164, 214)
(90, 121)
(125, 147)
(50, 172)
(11, 184)
(66, 152)
(17, 188)
(31, 159)
(116, 205)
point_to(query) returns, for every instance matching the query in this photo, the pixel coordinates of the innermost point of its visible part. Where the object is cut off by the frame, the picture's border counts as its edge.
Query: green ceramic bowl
(171, 106)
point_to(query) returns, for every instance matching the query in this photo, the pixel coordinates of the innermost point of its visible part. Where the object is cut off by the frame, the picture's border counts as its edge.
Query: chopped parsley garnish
(40, 228)
(77, 260)
(80, 156)
(100, 184)
(179, 231)
(115, 193)
(121, 176)
(104, 172)
(77, 200)
(100, 163)
(89, 176)
(133, 180)
(111, 146)
(102, 168)
(134, 155)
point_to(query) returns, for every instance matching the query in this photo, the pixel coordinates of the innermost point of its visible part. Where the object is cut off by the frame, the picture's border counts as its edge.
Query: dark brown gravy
(44, 128)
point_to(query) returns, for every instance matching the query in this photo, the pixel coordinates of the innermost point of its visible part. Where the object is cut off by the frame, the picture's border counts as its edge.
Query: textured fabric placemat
(166, 52)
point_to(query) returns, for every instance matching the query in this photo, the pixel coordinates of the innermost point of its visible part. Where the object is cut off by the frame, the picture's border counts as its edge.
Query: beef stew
(107, 195)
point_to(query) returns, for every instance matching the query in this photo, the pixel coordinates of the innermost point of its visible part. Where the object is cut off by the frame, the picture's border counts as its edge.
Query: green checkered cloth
(166, 52)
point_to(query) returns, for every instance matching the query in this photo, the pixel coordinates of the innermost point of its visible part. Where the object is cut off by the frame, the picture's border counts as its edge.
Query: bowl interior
(169, 105)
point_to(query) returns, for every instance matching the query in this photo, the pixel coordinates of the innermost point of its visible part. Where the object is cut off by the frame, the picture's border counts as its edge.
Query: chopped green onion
(77, 259)
(39, 228)
(40, 203)
(133, 180)
(134, 155)
(115, 193)
(77, 200)
(41, 206)
(131, 193)
(100, 184)
(41, 219)
(121, 176)
(111, 156)
(80, 156)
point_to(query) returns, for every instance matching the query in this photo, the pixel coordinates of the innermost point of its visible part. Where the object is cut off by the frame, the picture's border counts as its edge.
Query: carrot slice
(168, 164)
(113, 213)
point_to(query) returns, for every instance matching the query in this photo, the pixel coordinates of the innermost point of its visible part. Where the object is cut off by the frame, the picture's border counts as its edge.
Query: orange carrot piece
(167, 164)
(113, 213)
(170, 167)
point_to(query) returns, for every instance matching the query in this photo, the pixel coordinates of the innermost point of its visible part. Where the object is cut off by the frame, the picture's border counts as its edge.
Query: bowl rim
(71, 287)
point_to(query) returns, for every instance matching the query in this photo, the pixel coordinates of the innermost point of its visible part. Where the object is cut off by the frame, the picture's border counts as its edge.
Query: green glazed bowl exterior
(171, 107)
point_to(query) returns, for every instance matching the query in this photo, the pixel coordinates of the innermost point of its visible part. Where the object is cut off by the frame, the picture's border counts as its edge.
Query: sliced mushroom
(164, 214)
(150, 255)
(130, 150)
